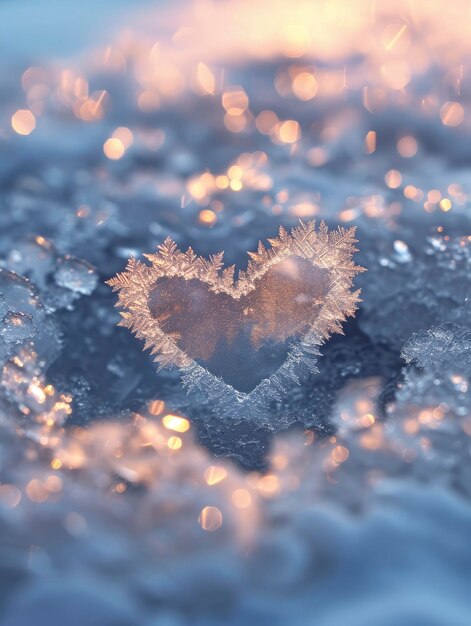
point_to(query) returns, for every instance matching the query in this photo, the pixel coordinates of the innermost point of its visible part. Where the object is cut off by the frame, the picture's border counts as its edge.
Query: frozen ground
(214, 124)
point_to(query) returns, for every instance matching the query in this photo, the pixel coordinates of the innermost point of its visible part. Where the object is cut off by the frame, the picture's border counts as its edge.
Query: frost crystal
(440, 349)
(242, 343)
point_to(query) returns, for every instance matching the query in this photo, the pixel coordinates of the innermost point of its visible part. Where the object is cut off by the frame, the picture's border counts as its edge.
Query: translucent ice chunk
(34, 258)
(76, 275)
(24, 319)
(17, 293)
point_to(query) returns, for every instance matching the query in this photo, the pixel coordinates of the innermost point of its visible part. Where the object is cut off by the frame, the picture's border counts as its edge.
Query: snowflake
(193, 314)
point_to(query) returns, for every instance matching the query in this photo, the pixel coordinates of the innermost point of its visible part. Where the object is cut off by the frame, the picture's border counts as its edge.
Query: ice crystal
(60, 279)
(440, 349)
(25, 320)
(242, 343)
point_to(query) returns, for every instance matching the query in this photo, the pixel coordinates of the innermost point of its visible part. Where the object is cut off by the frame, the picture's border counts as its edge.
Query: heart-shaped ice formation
(242, 342)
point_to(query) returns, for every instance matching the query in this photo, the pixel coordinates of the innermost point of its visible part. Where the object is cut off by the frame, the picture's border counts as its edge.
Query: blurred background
(125, 501)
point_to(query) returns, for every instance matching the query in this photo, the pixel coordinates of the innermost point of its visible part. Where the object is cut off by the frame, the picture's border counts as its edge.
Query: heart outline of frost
(330, 250)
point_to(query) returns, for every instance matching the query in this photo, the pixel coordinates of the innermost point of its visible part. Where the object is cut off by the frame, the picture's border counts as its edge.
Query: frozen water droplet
(76, 275)
(16, 327)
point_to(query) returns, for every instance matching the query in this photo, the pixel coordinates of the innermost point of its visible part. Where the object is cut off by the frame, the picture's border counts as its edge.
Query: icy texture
(432, 286)
(60, 279)
(180, 323)
(75, 275)
(25, 319)
(17, 327)
(436, 399)
(232, 118)
(441, 349)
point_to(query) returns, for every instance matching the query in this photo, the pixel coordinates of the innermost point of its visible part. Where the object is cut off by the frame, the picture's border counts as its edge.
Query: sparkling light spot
(156, 407)
(434, 195)
(176, 423)
(214, 475)
(289, 131)
(23, 122)
(235, 185)
(235, 171)
(268, 485)
(266, 122)
(36, 491)
(370, 142)
(10, 496)
(235, 123)
(222, 182)
(53, 484)
(452, 114)
(340, 454)
(125, 136)
(241, 498)
(113, 148)
(235, 101)
(407, 146)
(205, 79)
(174, 443)
(305, 86)
(396, 36)
(445, 204)
(208, 217)
(210, 518)
(393, 179)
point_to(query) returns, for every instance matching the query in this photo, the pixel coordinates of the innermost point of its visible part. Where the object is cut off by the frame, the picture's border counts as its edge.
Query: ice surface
(360, 514)
(433, 286)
